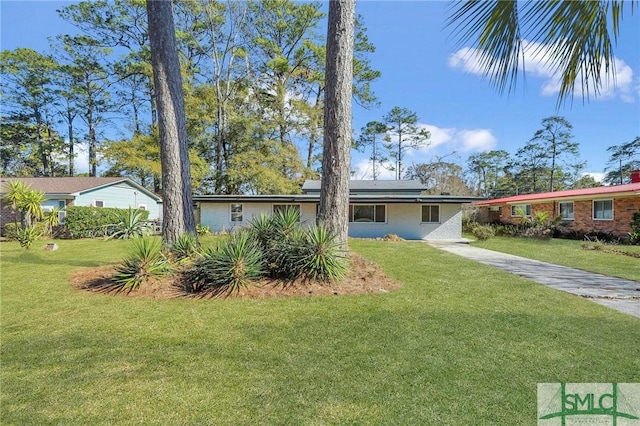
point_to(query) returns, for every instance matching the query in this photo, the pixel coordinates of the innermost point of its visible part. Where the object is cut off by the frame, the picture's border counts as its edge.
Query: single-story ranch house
(606, 209)
(61, 192)
(376, 208)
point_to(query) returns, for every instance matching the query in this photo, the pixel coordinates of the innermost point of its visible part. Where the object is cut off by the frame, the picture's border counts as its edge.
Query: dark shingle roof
(390, 186)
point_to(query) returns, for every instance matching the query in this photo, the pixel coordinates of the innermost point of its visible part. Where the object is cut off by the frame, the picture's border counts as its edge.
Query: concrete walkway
(617, 293)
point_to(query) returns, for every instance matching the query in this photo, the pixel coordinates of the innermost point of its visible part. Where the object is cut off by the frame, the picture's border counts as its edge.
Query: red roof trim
(628, 189)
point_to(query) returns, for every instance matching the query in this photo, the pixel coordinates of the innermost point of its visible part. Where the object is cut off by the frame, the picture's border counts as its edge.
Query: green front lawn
(569, 253)
(461, 343)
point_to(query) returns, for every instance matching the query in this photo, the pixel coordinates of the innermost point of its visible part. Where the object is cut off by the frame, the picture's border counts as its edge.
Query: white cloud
(81, 161)
(597, 176)
(476, 140)
(537, 60)
(439, 136)
(363, 170)
(459, 140)
(466, 59)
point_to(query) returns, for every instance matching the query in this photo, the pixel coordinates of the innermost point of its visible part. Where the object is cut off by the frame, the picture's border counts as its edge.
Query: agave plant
(289, 253)
(145, 261)
(262, 230)
(286, 220)
(27, 236)
(227, 269)
(131, 224)
(186, 246)
(52, 219)
(321, 257)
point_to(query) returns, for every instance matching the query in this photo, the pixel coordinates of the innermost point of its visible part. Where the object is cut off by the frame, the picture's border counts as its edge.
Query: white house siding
(450, 226)
(403, 220)
(119, 196)
(218, 215)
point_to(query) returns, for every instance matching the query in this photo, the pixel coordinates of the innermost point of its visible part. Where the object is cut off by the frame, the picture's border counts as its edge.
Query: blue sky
(422, 71)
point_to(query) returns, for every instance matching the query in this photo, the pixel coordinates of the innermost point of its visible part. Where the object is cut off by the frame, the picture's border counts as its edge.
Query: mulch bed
(364, 277)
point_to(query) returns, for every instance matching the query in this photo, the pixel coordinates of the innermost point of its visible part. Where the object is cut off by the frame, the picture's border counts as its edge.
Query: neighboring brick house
(61, 192)
(606, 209)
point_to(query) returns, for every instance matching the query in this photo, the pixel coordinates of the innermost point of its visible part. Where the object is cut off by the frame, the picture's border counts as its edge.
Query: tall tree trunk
(72, 170)
(218, 186)
(40, 139)
(177, 203)
(93, 162)
(334, 193)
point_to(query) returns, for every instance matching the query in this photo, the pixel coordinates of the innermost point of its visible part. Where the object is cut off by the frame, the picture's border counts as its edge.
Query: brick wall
(7, 215)
(623, 210)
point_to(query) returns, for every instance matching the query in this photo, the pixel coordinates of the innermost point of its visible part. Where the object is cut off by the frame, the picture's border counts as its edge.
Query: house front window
(565, 210)
(98, 203)
(603, 210)
(367, 213)
(430, 214)
(236, 212)
(521, 210)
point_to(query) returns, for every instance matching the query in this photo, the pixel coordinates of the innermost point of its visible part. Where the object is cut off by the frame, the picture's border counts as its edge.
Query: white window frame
(572, 210)
(231, 213)
(375, 209)
(430, 205)
(525, 207)
(142, 207)
(285, 205)
(593, 209)
(95, 204)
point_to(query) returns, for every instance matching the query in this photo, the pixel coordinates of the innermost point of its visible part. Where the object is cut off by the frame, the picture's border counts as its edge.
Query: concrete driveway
(617, 293)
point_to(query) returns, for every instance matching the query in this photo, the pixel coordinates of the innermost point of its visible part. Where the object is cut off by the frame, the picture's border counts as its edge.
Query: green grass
(569, 253)
(460, 344)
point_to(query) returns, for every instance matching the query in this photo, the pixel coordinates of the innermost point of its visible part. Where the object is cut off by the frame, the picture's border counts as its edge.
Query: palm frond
(493, 30)
(574, 39)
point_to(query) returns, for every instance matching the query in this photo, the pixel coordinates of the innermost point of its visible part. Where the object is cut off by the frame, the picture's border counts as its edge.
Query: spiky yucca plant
(227, 269)
(320, 255)
(27, 236)
(130, 224)
(186, 246)
(145, 261)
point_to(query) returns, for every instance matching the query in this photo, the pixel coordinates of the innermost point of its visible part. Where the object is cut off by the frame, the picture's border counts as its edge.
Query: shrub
(51, 220)
(278, 237)
(468, 224)
(392, 237)
(186, 246)
(262, 230)
(320, 255)
(145, 261)
(203, 230)
(634, 235)
(227, 269)
(483, 232)
(90, 222)
(540, 232)
(10, 231)
(27, 236)
(131, 223)
(286, 220)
